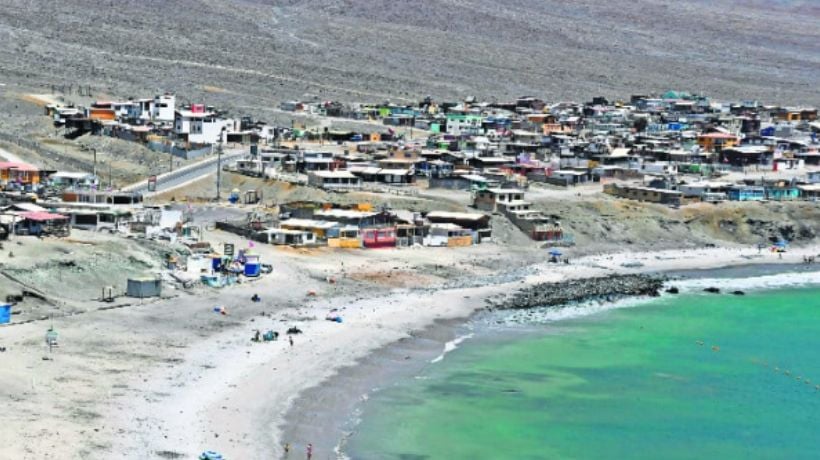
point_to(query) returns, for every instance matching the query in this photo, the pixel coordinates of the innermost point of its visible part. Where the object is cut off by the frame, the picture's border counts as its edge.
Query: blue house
(782, 193)
(746, 193)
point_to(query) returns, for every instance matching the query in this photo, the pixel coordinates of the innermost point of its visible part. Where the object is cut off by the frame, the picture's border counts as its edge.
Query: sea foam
(450, 346)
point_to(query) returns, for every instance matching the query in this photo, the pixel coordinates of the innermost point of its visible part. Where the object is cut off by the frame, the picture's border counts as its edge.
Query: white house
(333, 180)
(73, 179)
(125, 110)
(163, 107)
(200, 127)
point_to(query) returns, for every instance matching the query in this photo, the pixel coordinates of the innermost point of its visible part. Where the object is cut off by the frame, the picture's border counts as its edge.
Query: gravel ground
(267, 51)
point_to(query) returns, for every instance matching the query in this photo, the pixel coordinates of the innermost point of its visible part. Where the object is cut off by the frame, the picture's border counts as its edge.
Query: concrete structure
(652, 195)
(144, 287)
(200, 127)
(334, 180)
(73, 179)
(458, 124)
(489, 199)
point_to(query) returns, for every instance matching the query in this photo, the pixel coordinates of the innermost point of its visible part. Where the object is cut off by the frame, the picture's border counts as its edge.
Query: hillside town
(494, 163)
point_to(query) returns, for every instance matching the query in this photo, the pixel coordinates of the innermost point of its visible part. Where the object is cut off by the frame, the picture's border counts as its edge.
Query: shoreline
(177, 379)
(351, 383)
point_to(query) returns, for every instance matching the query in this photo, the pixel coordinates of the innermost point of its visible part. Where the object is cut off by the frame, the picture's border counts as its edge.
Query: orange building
(22, 173)
(715, 142)
(101, 114)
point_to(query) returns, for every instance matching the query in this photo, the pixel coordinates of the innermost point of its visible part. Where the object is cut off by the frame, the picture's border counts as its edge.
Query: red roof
(18, 166)
(42, 216)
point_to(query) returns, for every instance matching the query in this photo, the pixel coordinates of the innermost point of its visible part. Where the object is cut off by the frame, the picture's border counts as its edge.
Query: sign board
(152, 183)
(228, 249)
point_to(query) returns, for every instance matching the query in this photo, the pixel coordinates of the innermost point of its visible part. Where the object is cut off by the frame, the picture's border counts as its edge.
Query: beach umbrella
(555, 252)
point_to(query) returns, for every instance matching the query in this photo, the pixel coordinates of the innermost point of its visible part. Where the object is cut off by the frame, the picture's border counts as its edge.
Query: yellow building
(715, 142)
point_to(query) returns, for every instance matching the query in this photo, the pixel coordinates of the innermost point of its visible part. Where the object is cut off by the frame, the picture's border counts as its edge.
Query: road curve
(186, 174)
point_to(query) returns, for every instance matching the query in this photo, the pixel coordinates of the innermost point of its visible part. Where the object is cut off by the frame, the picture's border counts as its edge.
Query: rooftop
(308, 223)
(455, 215)
(344, 213)
(334, 174)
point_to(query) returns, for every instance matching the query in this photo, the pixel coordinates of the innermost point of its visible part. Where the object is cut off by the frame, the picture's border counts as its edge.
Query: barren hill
(254, 53)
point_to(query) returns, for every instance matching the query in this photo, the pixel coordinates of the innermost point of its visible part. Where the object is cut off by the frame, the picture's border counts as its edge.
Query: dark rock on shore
(605, 288)
(712, 290)
(673, 290)
(739, 293)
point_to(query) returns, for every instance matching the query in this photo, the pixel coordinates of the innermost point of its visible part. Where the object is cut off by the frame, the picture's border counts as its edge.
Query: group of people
(809, 259)
(308, 450)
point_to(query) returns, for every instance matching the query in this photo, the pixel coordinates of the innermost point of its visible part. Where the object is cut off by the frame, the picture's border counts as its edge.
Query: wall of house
(484, 201)
(207, 132)
(163, 108)
(344, 243)
(459, 241)
(642, 194)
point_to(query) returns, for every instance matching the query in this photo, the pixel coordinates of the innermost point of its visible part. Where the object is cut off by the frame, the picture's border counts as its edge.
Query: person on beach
(309, 451)
(287, 448)
(290, 339)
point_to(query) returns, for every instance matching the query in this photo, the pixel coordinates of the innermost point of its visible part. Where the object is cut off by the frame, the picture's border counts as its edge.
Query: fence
(187, 154)
(400, 191)
(37, 147)
(243, 231)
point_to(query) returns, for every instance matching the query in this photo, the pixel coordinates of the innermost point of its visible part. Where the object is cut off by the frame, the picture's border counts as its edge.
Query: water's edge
(328, 414)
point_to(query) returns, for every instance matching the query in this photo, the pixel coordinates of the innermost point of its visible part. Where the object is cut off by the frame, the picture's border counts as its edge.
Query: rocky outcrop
(574, 291)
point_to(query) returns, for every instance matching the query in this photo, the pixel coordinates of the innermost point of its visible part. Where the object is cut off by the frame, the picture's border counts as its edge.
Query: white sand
(176, 377)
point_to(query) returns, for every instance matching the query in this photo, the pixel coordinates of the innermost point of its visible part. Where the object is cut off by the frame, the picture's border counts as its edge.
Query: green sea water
(682, 377)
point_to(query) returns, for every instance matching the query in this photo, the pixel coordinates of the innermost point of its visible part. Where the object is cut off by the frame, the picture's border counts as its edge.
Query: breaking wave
(450, 346)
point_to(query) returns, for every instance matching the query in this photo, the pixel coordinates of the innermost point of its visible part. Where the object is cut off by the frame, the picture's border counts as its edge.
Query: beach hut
(144, 287)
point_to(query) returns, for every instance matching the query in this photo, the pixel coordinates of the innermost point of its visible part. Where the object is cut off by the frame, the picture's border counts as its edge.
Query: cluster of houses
(672, 149)
(23, 177)
(361, 226)
(58, 218)
(675, 192)
(663, 143)
(188, 130)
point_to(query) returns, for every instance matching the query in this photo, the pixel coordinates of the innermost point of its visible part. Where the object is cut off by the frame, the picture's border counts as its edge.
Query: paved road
(188, 173)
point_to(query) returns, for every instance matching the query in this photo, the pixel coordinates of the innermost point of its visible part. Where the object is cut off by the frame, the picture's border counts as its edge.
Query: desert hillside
(251, 54)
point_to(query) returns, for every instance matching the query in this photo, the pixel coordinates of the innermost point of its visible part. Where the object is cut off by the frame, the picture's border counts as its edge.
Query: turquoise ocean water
(694, 376)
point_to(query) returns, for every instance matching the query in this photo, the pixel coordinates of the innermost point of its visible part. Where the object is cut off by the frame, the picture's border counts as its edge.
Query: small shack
(144, 287)
(40, 223)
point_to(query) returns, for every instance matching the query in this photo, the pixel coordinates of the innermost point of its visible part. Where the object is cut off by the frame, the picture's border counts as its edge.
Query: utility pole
(219, 163)
(95, 160)
(171, 158)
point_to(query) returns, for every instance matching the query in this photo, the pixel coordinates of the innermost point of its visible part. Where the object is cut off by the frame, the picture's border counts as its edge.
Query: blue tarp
(5, 314)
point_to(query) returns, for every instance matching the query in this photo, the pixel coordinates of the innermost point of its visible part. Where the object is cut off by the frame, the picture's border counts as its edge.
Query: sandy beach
(173, 378)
